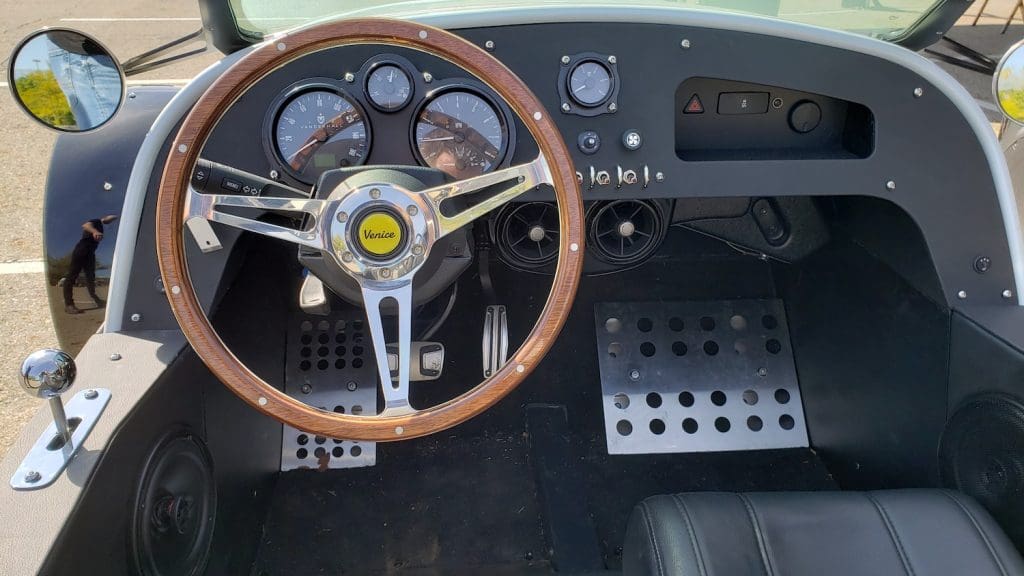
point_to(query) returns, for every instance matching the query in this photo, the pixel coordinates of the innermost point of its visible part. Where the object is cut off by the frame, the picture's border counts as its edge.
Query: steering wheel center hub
(380, 231)
(379, 234)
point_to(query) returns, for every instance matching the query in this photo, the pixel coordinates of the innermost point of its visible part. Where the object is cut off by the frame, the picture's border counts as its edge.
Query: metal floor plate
(698, 377)
(329, 365)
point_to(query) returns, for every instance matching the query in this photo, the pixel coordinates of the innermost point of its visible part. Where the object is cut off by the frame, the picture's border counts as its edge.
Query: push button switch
(231, 185)
(743, 103)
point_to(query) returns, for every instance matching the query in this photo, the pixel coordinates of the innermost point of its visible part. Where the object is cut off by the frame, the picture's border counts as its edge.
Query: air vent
(527, 234)
(625, 232)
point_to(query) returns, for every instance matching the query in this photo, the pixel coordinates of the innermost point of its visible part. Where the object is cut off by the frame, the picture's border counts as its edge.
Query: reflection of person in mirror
(87, 76)
(83, 259)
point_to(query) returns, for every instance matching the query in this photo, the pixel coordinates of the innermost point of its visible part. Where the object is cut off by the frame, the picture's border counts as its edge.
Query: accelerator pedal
(698, 377)
(495, 341)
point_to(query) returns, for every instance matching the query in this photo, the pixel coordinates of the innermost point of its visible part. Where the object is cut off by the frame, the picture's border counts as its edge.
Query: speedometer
(462, 134)
(318, 130)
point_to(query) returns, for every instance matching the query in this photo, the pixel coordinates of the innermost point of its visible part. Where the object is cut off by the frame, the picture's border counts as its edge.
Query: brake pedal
(495, 342)
(426, 361)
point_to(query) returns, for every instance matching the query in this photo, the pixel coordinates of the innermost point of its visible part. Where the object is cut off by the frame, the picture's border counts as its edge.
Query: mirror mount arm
(163, 55)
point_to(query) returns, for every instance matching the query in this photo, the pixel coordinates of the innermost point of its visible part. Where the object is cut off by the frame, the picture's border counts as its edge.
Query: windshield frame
(226, 35)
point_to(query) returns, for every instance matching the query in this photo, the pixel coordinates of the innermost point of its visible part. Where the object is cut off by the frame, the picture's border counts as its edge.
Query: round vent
(527, 234)
(626, 231)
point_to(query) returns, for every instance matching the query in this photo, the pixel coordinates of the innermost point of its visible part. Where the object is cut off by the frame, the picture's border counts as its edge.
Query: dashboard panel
(874, 123)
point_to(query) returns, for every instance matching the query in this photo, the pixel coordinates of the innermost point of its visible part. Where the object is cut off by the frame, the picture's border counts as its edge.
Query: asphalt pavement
(128, 28)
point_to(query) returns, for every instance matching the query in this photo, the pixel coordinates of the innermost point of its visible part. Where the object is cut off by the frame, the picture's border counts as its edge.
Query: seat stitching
(654, 539)
(685, 513)
(761, 544)
(974, 522)
(904, 559)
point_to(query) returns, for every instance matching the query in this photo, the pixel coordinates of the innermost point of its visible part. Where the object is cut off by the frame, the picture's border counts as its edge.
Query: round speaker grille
(982, 455)
(175, 506)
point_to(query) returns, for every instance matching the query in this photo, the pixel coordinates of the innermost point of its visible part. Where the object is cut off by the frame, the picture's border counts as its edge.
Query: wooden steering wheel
(414, 215)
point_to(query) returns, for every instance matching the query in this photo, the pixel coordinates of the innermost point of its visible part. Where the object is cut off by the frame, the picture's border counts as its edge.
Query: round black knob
(588, 142)
(804, 117)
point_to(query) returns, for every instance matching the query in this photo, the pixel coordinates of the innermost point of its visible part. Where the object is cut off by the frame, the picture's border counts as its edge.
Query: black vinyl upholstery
(899, 532)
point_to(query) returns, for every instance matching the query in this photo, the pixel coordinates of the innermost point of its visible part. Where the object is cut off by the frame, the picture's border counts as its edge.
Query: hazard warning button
(694, 106)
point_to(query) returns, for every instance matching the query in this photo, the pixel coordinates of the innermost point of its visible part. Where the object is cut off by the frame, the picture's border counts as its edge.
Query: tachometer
(319, 130)
(462, 134)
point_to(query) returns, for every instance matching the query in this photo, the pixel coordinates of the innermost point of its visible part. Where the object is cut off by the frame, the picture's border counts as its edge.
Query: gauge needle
(438, 139)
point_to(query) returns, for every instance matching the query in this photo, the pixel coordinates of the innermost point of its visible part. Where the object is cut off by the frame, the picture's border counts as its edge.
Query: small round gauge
(460, 133)
(389, 88)
(590, 83)
(319, 130)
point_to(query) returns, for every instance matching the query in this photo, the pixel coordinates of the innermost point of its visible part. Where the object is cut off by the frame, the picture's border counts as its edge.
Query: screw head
(612, 59)
(274, 175)
(352, 386)
(136, 317)
(350, 77)
(1007, 294)
(108, 186)
(890, 185)
(115, 357)
(375, 193)
(428, 77)
(565, 60)
(347, 257)
(417, 249)
(762, 372)
(385, 272)
(685, 44)
(918, 92)
(412, 209)
(634, 374)
(659, 177)
(982, 264)
(341, 217)
(489, 45)
(565, 107)
(613, 107)
(32, 477)
(306, 388)
(91, 394)
(962, 294)
(281, 47)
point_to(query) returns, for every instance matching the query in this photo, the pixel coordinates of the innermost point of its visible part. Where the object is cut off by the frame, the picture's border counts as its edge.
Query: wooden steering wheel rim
(170, 236)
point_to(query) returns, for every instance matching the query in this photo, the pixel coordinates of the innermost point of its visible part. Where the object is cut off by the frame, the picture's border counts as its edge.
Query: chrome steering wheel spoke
(207, 206)
(396, 393)
(525, 177)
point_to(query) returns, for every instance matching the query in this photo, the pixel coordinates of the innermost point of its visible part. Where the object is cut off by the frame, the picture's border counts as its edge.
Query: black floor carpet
(467, 500)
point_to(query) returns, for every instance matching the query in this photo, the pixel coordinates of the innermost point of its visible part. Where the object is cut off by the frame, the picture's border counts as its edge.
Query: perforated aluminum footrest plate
(698, 377)
(329, 365)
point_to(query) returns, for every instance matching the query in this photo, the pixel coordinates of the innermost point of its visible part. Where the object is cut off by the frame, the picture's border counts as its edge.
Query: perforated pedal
(698, 377)
(329, 365)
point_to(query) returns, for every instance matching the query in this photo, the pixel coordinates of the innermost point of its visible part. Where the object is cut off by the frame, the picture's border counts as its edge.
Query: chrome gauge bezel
(477, 89)
(286, 96)
(371, 66)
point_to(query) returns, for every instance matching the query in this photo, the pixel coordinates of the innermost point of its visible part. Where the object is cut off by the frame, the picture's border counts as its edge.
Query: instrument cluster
(453, 125)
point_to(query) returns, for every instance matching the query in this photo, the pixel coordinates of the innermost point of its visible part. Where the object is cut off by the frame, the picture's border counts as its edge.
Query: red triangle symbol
(694, 106)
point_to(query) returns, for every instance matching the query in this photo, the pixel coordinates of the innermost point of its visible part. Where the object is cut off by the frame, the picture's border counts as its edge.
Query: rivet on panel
(962, 294)
(489, 45)
(537, 115)
(262, 401)
(685, 44)
(175, 290)
(1007, 294)
(918, 92)
(281, 47)
(182, 148)
(423, 34)
(890, 185)
(574, 247)
(399, 430)
(520, 368)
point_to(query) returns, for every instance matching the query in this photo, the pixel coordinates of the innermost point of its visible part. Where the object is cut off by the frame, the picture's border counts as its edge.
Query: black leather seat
(904, 532)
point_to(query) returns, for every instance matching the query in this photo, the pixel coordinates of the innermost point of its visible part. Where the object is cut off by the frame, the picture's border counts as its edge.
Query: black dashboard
(758, 122)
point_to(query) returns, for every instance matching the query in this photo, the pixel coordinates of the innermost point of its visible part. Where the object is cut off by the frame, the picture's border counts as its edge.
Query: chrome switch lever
(48, 373)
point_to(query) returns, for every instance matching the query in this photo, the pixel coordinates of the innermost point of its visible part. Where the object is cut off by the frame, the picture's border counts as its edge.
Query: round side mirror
(1008, 83)
(66, 80)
